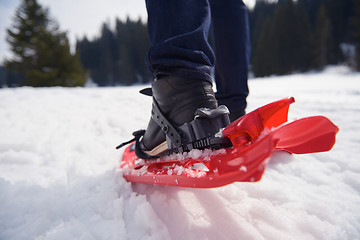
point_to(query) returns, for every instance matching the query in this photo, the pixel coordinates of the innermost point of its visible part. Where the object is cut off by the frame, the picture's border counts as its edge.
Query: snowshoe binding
(184, 116)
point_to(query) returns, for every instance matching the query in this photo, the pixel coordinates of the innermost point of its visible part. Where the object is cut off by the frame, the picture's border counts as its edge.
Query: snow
(59, 178)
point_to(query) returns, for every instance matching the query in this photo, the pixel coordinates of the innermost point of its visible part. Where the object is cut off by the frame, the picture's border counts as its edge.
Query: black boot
(185, 115)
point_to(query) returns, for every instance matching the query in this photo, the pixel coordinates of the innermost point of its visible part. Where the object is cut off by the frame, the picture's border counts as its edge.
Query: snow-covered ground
(58, 177)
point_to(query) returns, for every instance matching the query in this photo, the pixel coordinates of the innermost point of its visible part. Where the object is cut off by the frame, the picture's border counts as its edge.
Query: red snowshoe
(254, 137)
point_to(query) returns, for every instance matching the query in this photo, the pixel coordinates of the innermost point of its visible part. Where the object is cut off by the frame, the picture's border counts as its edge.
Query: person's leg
(232, 50)
(182, 60)
(178, 32)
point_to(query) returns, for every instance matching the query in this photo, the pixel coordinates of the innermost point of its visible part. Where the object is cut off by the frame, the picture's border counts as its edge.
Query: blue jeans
(178, 31)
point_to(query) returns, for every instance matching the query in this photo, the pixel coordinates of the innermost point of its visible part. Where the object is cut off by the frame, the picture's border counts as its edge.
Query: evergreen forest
(295, 36)
(117, 56)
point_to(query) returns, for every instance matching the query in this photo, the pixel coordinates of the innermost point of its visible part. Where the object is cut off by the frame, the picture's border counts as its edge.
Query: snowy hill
(58, 177)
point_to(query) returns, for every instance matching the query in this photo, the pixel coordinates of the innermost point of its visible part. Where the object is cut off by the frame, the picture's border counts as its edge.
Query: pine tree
(284, 40)
(133, 43)
(283, 45)
(322, 39)
(107, 47)
(265, 54)
(302, 37)
(41, 53)
(260, 19)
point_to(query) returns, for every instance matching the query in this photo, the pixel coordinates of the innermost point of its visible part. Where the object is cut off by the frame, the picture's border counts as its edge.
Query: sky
(78, 18)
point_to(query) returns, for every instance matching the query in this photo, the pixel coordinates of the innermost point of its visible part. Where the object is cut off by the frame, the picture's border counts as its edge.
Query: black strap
(169, 130)
(137, 135)
(165, 125)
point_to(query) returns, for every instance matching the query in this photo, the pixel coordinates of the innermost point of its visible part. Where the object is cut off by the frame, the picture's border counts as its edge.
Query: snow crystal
(143, 170)
(170, 171)
(219, 133)
(193, 154)
(243, 169)
(179, 170)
